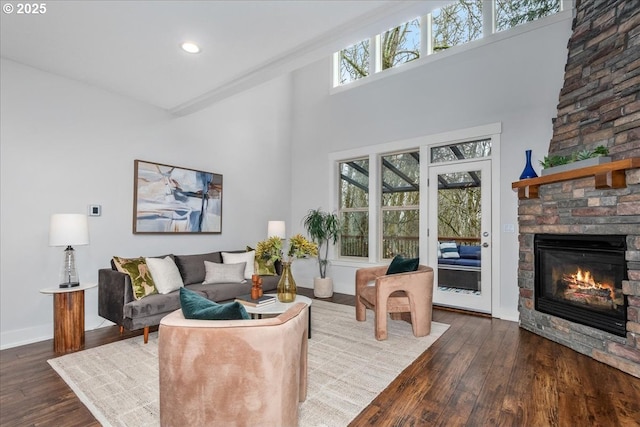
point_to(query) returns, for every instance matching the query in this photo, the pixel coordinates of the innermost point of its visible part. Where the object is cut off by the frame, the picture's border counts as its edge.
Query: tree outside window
(400, 204)
(453, 25)
(354, 208)
(354, 62)
(400, 44)
(510, 13)
(456, 24)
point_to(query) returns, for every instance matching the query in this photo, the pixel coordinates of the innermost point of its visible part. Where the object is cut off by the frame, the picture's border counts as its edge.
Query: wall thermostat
(95, 210)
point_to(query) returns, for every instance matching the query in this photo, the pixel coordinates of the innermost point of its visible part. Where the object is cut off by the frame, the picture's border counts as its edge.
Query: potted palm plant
(323, 229)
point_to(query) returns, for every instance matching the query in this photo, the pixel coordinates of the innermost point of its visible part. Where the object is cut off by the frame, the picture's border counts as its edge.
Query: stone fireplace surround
(579, 277)
(599, 105)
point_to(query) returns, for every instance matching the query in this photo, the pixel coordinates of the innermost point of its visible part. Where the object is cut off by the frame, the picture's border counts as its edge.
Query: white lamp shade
(68, 230)
(276, 229)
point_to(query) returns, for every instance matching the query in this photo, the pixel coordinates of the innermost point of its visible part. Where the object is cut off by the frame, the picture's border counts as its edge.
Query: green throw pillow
(198, 307)
(400, 264)
(141, 280)
(263, 267)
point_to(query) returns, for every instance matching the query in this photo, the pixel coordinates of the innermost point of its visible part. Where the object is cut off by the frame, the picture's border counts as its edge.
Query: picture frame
(175, 200)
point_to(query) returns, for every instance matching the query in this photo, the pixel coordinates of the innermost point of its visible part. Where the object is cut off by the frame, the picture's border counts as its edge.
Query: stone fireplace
(598, 205)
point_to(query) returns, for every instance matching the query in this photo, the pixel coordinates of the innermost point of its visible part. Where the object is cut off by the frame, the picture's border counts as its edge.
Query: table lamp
(276, 229)
(67, 230)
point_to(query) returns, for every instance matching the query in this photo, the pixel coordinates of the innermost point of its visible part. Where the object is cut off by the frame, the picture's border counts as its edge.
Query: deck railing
(358, 246)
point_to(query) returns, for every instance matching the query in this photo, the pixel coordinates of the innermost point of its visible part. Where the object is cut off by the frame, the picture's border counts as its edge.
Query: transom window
(458, 23)
(354, 62)
(461, 151)
(400, 45)
(510, 13)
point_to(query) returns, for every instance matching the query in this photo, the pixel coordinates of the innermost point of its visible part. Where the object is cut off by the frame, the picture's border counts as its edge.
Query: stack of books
(263, 300)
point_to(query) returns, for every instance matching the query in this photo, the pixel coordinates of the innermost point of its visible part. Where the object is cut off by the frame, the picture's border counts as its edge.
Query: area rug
(348, 368)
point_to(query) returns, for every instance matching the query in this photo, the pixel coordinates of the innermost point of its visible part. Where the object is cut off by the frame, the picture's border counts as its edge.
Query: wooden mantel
(607, 175)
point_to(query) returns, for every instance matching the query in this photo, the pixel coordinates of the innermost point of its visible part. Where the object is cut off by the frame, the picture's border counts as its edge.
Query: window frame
(423, 145)
(489, 35)
(340, 210)
(381, 208)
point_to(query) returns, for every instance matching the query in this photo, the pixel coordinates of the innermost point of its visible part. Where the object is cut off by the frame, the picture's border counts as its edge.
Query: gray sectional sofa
(117, 303)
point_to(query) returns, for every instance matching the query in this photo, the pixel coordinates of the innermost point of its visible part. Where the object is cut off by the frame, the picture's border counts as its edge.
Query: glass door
(459, 236)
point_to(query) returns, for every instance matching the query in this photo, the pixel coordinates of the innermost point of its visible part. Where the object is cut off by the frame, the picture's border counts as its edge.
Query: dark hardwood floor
(481, 372)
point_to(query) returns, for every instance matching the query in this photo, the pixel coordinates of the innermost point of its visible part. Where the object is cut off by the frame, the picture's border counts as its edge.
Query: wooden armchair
(395, 294)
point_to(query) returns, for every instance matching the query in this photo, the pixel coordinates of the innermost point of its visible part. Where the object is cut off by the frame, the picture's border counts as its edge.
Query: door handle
(485, 245)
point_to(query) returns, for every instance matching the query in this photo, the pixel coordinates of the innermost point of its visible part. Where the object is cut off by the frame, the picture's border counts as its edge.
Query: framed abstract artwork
(171, 199)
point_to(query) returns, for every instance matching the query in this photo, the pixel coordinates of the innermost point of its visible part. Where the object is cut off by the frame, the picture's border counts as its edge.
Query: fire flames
(584, 282)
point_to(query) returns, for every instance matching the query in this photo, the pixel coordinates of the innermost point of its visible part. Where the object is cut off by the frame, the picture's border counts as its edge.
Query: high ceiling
(132, 47)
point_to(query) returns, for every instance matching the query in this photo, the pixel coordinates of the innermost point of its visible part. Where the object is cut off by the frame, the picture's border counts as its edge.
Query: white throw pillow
(449, 250)
(248, 257)
(223, 273)
(165, 274)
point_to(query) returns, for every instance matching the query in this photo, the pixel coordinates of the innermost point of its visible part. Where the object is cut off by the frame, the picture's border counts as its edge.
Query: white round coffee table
(279, 308)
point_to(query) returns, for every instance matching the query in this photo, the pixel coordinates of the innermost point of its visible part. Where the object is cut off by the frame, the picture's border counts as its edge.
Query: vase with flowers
(271, 250)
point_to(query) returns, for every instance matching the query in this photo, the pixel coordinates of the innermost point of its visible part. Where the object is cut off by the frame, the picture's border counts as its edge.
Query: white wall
(514, 80)
(65, 145)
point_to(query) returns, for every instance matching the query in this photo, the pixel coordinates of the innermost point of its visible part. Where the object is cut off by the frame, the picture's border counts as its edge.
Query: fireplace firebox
(579, 278)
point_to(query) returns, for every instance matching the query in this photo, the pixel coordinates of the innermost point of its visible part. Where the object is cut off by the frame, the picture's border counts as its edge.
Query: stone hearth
(599, 105)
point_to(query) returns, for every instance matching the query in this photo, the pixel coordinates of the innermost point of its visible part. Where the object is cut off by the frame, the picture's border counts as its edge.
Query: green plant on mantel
(551, 161)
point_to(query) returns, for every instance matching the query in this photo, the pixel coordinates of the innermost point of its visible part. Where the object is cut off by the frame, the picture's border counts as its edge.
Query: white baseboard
(39, 333)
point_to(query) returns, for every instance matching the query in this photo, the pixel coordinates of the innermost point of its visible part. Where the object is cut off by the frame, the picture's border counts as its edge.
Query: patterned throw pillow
(138, 271)
(449, 250)
(198, 307)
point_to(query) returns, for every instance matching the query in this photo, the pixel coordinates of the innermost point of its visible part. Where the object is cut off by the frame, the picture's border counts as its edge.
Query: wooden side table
(68, 317)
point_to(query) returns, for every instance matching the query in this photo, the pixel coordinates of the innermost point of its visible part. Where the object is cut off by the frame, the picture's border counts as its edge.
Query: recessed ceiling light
(190, 47)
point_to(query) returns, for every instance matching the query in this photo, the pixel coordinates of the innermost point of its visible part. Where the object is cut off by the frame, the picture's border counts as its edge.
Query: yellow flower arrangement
(270, 250)
(300, 247)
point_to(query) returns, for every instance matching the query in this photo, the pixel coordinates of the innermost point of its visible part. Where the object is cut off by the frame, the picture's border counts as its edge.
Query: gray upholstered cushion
(222, 291)
(192, 266)
(153, 304)
(223, 273)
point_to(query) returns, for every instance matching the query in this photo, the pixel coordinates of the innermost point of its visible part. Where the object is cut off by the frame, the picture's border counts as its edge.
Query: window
(354, 62)
(510, 13)
(458, 23)
(400, 44)
(461, 151)
(460, 191)
(354, 208)
(400, 175)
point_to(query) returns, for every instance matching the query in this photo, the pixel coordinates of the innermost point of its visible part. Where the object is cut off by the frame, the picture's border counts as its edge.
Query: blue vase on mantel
(528, 171)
